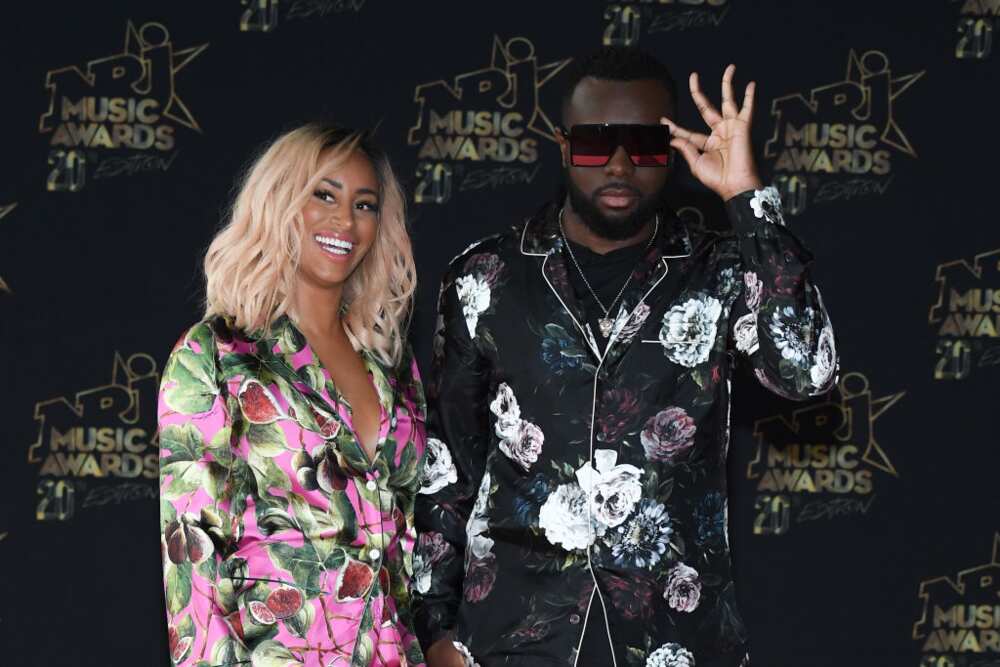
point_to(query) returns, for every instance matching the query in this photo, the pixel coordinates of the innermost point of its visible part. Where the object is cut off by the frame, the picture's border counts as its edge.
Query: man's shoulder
(505, 244)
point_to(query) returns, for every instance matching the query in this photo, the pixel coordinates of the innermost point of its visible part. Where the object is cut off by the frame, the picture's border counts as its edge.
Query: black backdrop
(877, 120)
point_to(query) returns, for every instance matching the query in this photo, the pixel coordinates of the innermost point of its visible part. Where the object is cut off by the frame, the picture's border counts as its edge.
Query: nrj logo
(125, 101)
(838, 139)
(820, 461)
(104, 433)
(966, 316)
(959, 625)
(491, 114)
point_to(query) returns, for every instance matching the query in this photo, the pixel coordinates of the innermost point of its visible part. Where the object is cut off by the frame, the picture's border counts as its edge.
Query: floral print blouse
(283, 543)
(565, 472)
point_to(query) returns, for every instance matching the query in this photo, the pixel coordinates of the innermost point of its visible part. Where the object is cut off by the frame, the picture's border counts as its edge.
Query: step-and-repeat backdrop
(865, 524)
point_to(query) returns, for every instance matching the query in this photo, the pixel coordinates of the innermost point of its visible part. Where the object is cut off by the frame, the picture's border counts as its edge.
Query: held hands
(723, 160)
(443, 653)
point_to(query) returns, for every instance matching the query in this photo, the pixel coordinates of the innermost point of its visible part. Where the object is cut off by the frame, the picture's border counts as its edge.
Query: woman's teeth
(334, 245)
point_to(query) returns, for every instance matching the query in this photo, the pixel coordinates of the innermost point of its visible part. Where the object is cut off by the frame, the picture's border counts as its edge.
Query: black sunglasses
(592, 145)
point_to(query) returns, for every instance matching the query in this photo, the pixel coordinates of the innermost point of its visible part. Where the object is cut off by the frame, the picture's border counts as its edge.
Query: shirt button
(371, 485)
(374, 554)
(574, 618)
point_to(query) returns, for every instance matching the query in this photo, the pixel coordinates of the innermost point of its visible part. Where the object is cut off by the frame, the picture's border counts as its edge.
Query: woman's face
(341, 219)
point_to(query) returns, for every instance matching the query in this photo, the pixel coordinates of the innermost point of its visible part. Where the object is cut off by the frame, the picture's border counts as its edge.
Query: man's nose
(620, 164)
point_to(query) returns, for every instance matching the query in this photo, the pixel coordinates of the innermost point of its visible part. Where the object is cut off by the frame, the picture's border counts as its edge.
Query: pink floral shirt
(283, 543)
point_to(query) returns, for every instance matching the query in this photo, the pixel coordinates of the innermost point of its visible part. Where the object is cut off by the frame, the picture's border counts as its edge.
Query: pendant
(605, 324)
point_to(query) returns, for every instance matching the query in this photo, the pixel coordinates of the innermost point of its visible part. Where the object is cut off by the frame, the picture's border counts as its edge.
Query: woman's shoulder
(210, 333)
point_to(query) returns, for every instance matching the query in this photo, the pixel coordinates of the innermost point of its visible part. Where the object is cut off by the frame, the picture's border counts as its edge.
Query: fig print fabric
(283, 544)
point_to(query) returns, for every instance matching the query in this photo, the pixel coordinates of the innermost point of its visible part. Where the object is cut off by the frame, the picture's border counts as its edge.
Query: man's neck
(578, 232)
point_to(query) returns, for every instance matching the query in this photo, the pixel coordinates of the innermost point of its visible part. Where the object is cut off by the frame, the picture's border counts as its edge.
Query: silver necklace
(604, 323)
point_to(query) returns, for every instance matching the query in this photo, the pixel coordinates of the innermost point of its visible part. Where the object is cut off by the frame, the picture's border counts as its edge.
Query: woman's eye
(368, 206)
(324, 195)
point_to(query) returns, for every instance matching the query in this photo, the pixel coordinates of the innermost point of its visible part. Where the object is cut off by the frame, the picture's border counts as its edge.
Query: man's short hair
(619, 63)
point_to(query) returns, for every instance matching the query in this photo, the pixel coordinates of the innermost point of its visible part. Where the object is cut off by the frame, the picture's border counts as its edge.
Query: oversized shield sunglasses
(592, 145)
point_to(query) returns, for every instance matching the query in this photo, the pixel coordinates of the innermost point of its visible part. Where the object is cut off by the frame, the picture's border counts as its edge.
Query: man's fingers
(709, 114)
(747, 111)
(729, 109)
(696, 138)
(687, 149)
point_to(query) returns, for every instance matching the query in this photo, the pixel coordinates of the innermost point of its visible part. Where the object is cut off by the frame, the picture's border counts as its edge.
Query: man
(573, 509)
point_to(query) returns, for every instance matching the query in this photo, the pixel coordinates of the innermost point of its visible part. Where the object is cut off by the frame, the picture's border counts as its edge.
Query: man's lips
(617, 198)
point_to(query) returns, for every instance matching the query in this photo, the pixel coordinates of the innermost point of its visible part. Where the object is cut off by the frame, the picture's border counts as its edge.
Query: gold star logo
(876, 62)
(152, 35)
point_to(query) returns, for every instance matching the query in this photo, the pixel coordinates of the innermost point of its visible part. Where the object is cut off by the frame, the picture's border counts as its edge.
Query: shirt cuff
(752, 208)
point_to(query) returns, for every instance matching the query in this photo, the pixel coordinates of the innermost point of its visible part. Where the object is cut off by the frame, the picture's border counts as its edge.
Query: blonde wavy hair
(252, 263)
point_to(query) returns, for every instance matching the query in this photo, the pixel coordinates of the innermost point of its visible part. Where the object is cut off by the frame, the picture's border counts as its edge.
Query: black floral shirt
(565, 471)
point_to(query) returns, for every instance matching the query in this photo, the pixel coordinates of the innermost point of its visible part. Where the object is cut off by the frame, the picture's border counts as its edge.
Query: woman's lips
(334, 247)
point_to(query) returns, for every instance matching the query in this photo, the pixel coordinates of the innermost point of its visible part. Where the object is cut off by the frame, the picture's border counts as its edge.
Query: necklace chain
(572, 256)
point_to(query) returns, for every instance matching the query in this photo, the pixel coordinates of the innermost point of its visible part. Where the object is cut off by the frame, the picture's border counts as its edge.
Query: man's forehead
(604, 101)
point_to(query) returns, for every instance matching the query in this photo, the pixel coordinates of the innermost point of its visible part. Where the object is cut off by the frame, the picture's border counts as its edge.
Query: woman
(291, 422)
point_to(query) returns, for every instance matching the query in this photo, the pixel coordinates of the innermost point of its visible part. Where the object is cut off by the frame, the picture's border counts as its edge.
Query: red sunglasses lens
(589, 160)
(593, 145)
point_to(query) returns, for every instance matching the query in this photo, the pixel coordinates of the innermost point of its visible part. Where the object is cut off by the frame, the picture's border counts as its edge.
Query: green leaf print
(407, 472)
(215, 478)
(178, 586)
(300, 562)
(190, 381)
(363, 651)
(314, 377)
(207, 569)
(367, 623)
(266, 439)
(300, 623)
(245, 365)
(221, 438)
(186, 477)
(167, 513)
(343, 515)
(274, 519)
(186, 627)
(267, 475)
(226, 652)
(185, 442)
(271, 653)
(335, 560)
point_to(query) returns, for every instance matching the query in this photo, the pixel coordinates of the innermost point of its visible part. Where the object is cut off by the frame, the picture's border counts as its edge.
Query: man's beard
(606, 228)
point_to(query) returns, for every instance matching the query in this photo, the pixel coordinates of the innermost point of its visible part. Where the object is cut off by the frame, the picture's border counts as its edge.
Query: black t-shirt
(606, 274)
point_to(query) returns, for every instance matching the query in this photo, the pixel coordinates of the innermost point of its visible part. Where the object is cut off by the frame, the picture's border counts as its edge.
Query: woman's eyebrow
(360, 191)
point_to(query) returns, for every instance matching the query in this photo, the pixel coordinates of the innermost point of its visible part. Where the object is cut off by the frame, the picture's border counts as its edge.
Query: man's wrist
(741, 187)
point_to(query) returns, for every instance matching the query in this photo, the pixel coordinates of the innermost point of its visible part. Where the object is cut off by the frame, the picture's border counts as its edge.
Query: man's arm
(779, 322)
(458, 437)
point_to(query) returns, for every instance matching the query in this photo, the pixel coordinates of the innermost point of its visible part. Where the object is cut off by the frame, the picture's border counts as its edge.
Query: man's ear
(563, 146)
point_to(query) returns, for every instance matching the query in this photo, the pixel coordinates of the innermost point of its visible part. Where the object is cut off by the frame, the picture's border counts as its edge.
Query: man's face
(615, 200)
